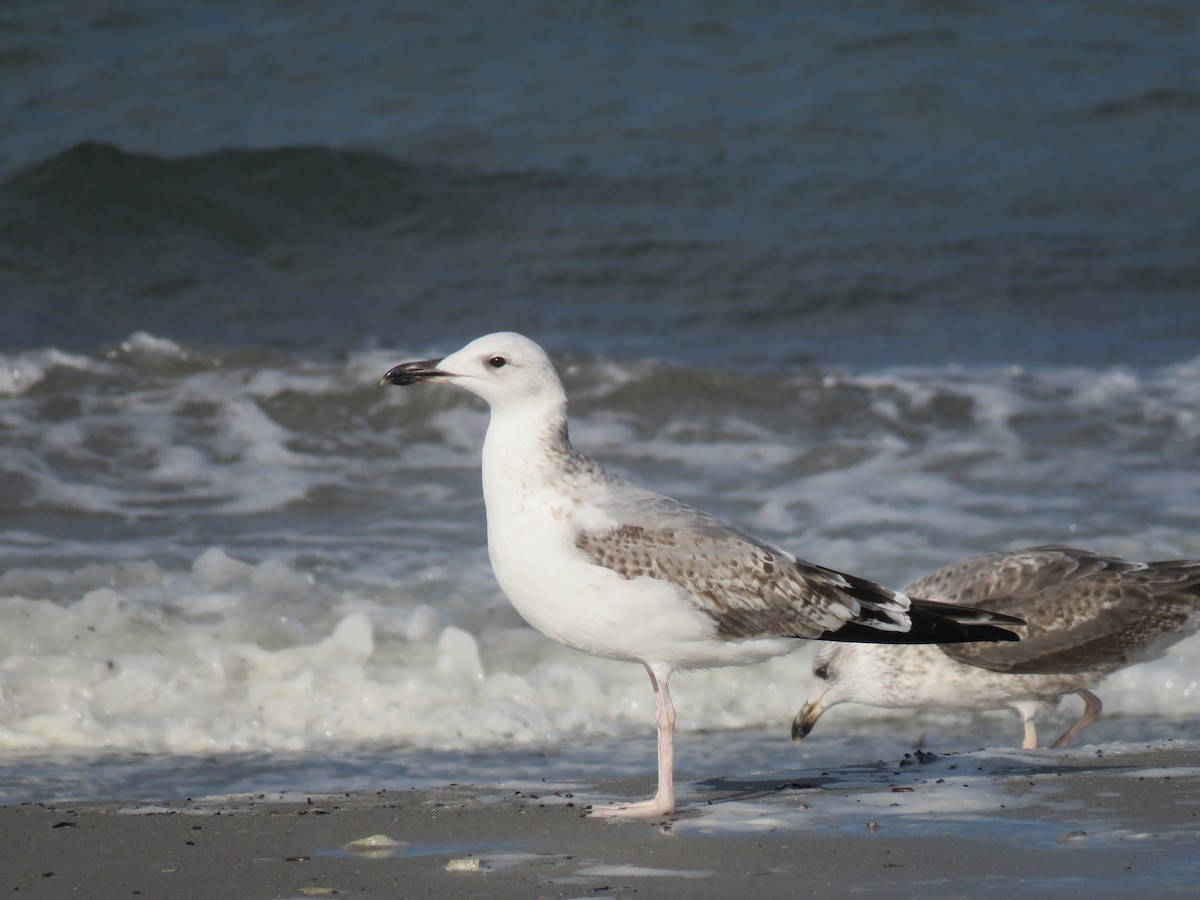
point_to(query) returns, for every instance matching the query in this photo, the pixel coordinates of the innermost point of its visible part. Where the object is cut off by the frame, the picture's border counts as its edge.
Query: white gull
(1086, 616)
(616, 571)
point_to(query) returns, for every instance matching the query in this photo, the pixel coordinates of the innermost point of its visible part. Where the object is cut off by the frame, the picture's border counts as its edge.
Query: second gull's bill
(1086, 616)
(608, 568)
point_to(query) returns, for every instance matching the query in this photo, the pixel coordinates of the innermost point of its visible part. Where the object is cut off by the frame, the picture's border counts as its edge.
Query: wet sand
(1110, 821)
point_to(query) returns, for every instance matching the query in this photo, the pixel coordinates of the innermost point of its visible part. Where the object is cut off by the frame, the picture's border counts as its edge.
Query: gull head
(505, 369)
(843, 677)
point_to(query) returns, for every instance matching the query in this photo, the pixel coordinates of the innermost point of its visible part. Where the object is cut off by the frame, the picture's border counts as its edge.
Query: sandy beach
(1115, 820)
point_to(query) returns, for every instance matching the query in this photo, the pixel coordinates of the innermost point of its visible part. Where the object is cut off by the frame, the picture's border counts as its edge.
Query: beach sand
(1111, 821)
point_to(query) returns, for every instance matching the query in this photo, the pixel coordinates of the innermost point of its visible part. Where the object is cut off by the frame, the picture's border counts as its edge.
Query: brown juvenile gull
(619, 572)
(1086, 616)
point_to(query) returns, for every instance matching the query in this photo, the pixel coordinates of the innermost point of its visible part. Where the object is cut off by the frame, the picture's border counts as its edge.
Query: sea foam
(220, 550)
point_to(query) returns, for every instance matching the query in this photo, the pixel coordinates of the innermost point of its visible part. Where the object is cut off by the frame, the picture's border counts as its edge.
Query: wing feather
(749, 589)
(1083, 611)
(752, 589)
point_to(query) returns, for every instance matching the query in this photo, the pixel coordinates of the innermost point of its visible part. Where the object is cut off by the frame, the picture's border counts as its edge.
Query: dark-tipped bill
(412, 372)
(806, 719)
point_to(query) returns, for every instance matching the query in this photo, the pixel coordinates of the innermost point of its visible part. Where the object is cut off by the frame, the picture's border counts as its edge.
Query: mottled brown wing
(748, 588)
(1083, 611)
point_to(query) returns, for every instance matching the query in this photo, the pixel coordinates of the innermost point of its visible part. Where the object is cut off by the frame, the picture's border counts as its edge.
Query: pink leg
(1031, 738)
(1028, 710)
(663, 803)
(1092, 707)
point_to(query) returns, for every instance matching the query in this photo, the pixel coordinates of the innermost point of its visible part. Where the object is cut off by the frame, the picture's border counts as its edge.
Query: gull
(620, 572)
(1086, 616)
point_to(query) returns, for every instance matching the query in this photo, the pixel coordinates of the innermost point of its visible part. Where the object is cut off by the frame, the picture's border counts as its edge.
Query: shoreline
(1113, 820)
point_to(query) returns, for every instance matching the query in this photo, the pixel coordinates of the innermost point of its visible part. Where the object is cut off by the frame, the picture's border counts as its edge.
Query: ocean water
(887, 284)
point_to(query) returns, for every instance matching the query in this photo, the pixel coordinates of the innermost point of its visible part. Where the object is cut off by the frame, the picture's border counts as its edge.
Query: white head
(506, 369)
(848, 673)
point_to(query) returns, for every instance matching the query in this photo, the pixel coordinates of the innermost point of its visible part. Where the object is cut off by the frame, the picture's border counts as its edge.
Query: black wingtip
(966, 615)
(990, 633)
(933, 623)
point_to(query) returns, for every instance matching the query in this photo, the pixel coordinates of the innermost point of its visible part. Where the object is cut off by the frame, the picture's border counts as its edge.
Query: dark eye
(497, 362)
(822, 672)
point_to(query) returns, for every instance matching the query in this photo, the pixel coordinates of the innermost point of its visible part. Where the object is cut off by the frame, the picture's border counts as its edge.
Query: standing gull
(1086, 617)
(616, 571)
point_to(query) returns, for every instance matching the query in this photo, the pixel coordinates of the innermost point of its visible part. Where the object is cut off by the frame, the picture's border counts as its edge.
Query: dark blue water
(736, 184)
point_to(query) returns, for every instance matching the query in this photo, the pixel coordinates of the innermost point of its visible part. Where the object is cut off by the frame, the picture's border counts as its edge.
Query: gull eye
(497, 362)
(822, 672)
